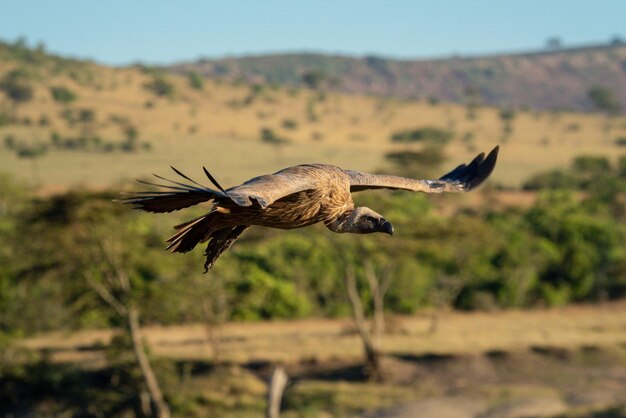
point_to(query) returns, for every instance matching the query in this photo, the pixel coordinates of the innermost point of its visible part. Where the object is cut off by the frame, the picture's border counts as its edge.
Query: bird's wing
(175, 196)
(267, 189)
(463, 178)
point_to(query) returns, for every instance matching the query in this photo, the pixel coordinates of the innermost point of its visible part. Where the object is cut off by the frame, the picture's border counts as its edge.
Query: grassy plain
(220, 127)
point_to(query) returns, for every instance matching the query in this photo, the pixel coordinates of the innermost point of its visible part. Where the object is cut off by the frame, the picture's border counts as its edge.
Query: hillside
(81, 123)
(554, 79)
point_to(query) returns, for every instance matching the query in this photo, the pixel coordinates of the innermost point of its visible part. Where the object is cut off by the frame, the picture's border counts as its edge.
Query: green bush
(261, 296)
(86, 115)
(591, 164)
(423, 163)
(603, 99)
(160, 87)
(507, 115)
(16, 86)
(196, 81)
(427, 134)
(314, 79)
(9, 142)
(32, 151)
(593, 174)
(290, 124)
(62, 94)
(270, 137)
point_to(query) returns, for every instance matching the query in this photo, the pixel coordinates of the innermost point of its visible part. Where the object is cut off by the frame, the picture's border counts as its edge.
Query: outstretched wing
(267, 189)
(175, 196)
(463, 178)
(263, 190)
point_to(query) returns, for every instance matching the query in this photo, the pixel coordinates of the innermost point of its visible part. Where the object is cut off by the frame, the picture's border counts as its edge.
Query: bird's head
(361, 220)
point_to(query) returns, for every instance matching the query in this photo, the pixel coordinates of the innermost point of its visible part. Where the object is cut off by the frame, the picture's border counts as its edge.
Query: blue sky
(159, 31)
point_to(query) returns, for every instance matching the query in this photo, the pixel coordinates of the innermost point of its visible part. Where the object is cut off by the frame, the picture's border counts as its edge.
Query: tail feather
(190, 233)
(221, 240)
(176, 196)
(201, 229)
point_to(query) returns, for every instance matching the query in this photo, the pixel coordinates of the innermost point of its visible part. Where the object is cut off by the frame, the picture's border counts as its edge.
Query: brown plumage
(291, 198)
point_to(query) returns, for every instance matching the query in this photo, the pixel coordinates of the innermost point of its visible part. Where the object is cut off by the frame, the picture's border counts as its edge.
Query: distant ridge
(558, 79)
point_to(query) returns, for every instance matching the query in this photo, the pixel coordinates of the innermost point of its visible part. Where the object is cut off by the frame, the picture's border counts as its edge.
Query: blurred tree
(62, 94)
(429, 134)
(422, 163)
(90, 261)
(196, 81)
(554, 43)
(16, 86)
(377, 285)
(160, 86)
(604, 100)
(313, 79)
(582, 247)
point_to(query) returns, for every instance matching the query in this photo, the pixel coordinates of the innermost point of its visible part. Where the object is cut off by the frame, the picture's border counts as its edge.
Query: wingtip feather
(484, 170)
(212, 179)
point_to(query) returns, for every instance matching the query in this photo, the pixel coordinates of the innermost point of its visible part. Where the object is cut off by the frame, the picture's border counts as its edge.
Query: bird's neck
(341, 224)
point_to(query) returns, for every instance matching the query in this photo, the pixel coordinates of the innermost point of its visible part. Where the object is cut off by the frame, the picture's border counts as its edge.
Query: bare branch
(386, 277)
(277, 385)
(105, 295)
(162, 410)
(357, 306)
(378, 320)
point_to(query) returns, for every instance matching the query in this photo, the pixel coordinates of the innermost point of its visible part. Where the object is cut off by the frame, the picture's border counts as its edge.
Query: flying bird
(291, 198)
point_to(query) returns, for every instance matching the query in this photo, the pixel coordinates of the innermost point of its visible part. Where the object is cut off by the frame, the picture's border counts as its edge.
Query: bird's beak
(386, 227)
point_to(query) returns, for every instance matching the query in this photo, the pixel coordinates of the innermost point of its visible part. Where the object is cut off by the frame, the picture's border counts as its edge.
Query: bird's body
(294, 197)
(330, 198)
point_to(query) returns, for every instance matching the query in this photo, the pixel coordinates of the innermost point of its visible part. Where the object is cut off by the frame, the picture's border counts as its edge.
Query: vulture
(291, 198)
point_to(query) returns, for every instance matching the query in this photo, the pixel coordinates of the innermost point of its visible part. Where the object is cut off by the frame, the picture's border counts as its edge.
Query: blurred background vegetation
(547, 231)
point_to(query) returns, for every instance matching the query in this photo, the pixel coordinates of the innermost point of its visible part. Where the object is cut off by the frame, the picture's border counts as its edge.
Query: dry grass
(324, 340)
(214, 127)
(500, 364)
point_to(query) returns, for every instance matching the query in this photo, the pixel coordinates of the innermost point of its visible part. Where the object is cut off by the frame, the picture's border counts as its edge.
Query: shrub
(604, 100)
(160, 87)
(16, 87)
(9, 142)
(131, 133)
(427, 134)
(433, 100)
(589, 163)
(32, 151)
(507, 115)
(86, 115)
(290, 124)
(621, 141)
(423, 163)
(62, 94)
(196, 81)
(270, 137)
(314, 79)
